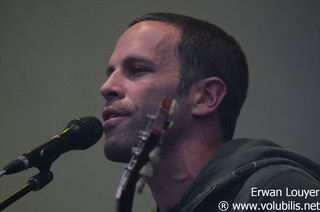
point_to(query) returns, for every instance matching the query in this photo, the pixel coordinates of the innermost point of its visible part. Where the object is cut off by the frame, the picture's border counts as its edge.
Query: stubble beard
(118, 148)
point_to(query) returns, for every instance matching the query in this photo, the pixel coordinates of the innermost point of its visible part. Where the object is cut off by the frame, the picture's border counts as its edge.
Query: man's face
(143, 69)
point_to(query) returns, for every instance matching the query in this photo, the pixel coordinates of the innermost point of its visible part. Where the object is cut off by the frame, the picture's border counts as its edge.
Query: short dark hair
(206, 50)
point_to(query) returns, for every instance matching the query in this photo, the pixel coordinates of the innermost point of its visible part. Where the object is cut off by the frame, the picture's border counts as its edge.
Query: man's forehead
(149, 39)
(155, 31)
(159, 26)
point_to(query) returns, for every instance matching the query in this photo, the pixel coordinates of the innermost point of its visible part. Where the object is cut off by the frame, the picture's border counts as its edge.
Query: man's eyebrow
(133, 59)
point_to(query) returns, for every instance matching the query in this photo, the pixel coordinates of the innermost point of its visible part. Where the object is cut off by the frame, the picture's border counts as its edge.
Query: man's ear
(209, 93)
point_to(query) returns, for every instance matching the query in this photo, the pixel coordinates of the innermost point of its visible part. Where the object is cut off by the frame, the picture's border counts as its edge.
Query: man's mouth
(112, 117)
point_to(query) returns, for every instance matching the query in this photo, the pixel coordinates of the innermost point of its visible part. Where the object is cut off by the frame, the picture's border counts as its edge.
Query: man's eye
(138, 70)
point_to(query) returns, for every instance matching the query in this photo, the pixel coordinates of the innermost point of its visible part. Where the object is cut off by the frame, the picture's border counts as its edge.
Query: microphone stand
(35, 183)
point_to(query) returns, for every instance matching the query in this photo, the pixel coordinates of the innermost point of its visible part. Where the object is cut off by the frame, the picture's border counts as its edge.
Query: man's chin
(117, 154)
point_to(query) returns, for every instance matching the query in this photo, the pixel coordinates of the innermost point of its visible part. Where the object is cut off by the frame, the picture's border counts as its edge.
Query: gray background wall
(53, 56)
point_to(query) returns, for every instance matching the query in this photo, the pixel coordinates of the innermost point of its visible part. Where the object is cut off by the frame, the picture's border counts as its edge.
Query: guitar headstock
(145, 155)
(163, 121)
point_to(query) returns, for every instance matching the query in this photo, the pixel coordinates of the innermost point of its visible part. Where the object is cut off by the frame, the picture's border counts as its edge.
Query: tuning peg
(146, 170)
(140, 184)
(173, 108)
(154, 155)
(143, 135)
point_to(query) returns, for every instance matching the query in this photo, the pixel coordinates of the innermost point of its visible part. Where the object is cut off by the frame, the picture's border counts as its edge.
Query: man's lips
(112, 116)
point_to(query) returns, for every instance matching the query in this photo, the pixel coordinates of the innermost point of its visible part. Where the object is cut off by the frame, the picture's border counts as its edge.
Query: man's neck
(176, 171)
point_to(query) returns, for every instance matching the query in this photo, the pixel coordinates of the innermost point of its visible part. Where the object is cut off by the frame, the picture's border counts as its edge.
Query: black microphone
(79, 134)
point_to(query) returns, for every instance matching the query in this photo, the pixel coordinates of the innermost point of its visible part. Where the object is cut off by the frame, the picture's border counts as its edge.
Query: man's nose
(113, 87)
